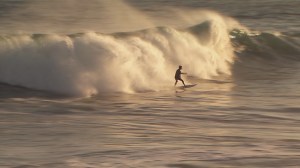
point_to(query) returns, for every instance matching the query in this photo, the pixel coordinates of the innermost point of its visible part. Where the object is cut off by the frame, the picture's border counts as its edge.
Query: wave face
(264, 56)
(92, 63)
(269, 46)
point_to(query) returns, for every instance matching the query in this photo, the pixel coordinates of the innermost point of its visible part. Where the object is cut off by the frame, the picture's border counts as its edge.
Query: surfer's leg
(175, 82)
(182, 82)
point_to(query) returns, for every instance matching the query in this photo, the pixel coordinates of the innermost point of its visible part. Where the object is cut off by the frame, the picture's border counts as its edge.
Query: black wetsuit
(178, 75)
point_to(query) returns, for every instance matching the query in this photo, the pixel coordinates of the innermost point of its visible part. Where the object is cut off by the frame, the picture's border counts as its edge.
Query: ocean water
(90, 84)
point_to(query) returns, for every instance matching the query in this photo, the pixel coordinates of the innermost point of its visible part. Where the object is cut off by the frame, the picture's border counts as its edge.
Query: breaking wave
(91, 63)
(272, 46)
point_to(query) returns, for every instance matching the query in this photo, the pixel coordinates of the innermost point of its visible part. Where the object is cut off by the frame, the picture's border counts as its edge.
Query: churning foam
(93, 63)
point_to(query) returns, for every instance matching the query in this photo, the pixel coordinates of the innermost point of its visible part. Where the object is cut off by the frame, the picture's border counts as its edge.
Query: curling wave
(91, 63)
(272, 46)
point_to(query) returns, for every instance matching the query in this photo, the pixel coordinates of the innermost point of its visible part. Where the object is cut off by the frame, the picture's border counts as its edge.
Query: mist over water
(70, 16)
(106, 16)
(91, 63)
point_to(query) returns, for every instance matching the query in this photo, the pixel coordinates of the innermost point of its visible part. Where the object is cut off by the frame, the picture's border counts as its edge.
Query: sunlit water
(247, 119)
(226, 123)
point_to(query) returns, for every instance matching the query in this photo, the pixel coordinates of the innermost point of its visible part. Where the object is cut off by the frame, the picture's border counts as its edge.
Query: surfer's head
(180, 67)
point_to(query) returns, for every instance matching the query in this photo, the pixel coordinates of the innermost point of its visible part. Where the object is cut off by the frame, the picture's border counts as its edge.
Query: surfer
(178, 75)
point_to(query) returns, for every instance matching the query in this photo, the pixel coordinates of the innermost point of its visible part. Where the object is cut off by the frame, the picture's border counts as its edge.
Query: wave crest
(92, 63)
(266, 45)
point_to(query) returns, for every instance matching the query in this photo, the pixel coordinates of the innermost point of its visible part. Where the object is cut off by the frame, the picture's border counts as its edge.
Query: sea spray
(71, 16)
(93, 63)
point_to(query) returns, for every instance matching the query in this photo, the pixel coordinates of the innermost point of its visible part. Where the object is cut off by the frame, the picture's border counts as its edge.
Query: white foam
(94, 63)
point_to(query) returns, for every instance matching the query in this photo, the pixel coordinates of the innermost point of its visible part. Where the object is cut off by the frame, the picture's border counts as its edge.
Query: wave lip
(266, 45)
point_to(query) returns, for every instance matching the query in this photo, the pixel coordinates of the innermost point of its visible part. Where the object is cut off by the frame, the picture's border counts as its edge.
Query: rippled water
(254, 123)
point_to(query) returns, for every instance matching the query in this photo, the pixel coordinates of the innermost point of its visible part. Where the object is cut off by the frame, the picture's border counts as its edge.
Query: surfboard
(187, 86)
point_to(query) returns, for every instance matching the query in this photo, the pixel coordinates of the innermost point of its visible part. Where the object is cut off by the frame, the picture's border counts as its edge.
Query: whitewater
(92, 84)
(92, 63)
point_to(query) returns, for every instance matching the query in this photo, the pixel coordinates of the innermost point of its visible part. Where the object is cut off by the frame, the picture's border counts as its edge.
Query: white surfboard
(187, 86)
